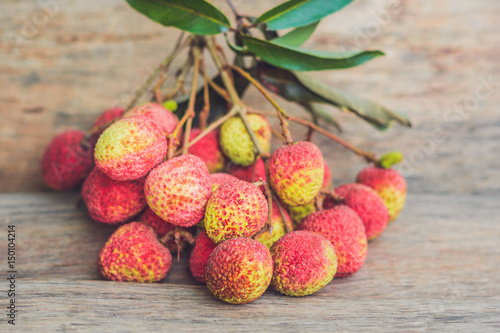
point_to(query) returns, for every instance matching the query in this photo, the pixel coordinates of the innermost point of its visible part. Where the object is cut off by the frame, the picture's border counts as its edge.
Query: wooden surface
(436, 268)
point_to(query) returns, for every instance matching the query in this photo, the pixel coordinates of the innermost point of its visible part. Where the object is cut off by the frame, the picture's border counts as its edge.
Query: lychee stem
(269, 195)
(332, 194)
(190, 109)
(319, 202)
(287, 227)
(205, 112)
(162, 68)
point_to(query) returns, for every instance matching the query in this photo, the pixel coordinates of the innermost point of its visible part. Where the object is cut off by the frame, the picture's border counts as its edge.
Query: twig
(192, 98)
(206, 105)
(181, 78)
(162, 68)
(282, 213)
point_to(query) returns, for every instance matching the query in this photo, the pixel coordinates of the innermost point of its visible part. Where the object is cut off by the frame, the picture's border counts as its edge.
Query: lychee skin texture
(366, 203)
(163, 118)
(217, 179)
(107, 117)
(344, 229)
(236, 142)
(389, 184)
(198, 259)
(279, 227)
(296, 173)
(298, 213)
(235, 209)
(67, 160)
(207, 148)
(327, 178)
(111, 201)
(239, 270)
(245, 173)
(178, 190)
(134, 254)
(304, 262)
(130, 148)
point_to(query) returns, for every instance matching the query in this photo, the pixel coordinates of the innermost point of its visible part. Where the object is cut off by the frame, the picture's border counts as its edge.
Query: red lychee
(296, 172)
(345, 230)
(246, 173)
(304, 262)
(107, 117)
(178, 190)
(208, 149)
(235, 209)
(166, 120)
(239, 270)
(130, 148)
(366, 203)
(389, 184)
(327, 178)
(67, 160)
(217, 179)
(198, 259)
(111, 201)
(134, 254)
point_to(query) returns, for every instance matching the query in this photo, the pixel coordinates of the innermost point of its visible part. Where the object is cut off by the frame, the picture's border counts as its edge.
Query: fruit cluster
(243, 212)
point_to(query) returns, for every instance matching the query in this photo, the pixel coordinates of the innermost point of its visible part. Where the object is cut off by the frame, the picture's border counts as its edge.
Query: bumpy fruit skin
(111, 201)
(279, 227)
(366, 203)
(327, 178)
(239, 270)
(345, 230)
(198, 259)
(304, 262)
(107, 117)
(162, 227)
(134, 254)
(235, 209)
(217, 179)
(130, 148)
(67, 160)
(207, 148)
(298, 213)
(296, 173)
(178, 190)
(164, 119)
(390, 186)
(245, 173)
(236, 142)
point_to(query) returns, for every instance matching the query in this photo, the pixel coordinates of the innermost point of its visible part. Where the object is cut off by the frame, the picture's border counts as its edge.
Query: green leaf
(303, 89)
(296, 37)
(296, 59)
(195, 16)
(298, 13)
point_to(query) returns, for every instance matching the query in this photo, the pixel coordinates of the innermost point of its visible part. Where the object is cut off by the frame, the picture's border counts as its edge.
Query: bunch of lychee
(238, 209)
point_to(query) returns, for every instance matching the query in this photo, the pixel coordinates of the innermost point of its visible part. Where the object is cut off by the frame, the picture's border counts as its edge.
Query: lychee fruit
(111, 201)
(198, 259)
(164, 119)
(304, 262)
(298, 213)
(279, 226)
(239, 270)
(251, 173)
(208, 149)
(162, 228)
(130, 148)
(178, 190)
(389, 184)
(236, 142)
(134, 254)
(67, 160)
(217, 179)
(345, 230)
(107, 117)
(235, 209)
(296, 173)
(366, 203)
(327, 178)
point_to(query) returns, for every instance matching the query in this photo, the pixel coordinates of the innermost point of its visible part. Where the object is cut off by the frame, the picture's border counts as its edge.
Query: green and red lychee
(163, 118)
(298, 213)
(178, 190)
(236, 142)
(67, 160)
(200, 253)
(111, 201)
(345, 230)
(279, 225)
(208, 149)
(235, 209)
(296, 173)
(239, 270)
(389, 184)
(304, 262)
(217, 179)
(366, 203)
(162, 228)
(130, 148)
(134, 254)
